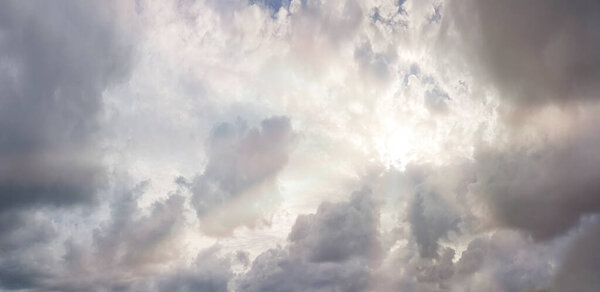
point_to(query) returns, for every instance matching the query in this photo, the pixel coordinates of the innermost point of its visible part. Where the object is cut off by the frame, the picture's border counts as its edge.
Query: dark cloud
(542, 191)
(24, 259)
(534, 52)
(123, 252)
(331, 250)
(242, 258)
(430, 220)
(56, 60)
(431, 274)
(580, 268)
(537, 193)
(432, 196)
(337, 231)
(513, 263)
(505, 261)
(472, 258)
(132, 240)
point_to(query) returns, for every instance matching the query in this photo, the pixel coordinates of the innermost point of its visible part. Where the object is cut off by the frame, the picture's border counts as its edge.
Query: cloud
(504, 261)
(543, 191)
(513, 261)
(274, 5)
(435, 204)
(104, 186)
(119, 253)
(581, 264)
(533, 52)
(209, 272)
(436, 100)
(329, 250)
(374, 63)
(431, 224)
(56, 61)
(241, 161)
(24, 260)
(131, 240)
(337, 231)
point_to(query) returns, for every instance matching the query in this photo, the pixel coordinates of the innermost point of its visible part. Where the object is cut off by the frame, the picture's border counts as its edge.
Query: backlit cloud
(219, 145)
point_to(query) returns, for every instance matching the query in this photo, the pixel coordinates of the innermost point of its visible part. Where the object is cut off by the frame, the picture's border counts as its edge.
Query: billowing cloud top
(269, 145)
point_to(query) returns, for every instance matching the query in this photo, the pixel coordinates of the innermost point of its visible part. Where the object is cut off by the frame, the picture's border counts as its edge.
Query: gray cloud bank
(534, 52)
(56, 59)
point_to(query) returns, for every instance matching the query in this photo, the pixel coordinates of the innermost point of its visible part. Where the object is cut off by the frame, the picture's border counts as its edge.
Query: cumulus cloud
(435, 204)
(540, 56)
(543, 191)
(240, 157)
(428, 226)
(504, 261)
(329, 250)
(131, 241)
(581, 264)
(241, 161)
(117, 254)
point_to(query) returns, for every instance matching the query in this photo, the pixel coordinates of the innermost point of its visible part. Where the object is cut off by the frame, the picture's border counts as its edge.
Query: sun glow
(396, 147)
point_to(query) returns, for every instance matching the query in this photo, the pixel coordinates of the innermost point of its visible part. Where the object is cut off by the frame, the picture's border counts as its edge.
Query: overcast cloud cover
(303, 145)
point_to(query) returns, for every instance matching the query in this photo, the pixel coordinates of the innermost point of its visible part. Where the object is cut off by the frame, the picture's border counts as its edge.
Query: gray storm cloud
(534, 52)
(580, 267)
(539, 54)
(543, 192)
(56, 59)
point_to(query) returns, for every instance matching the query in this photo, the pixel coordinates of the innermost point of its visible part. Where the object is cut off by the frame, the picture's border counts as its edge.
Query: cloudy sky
(300, 145)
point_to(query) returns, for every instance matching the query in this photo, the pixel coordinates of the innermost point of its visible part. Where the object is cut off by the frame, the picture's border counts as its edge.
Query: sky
(300, 145)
